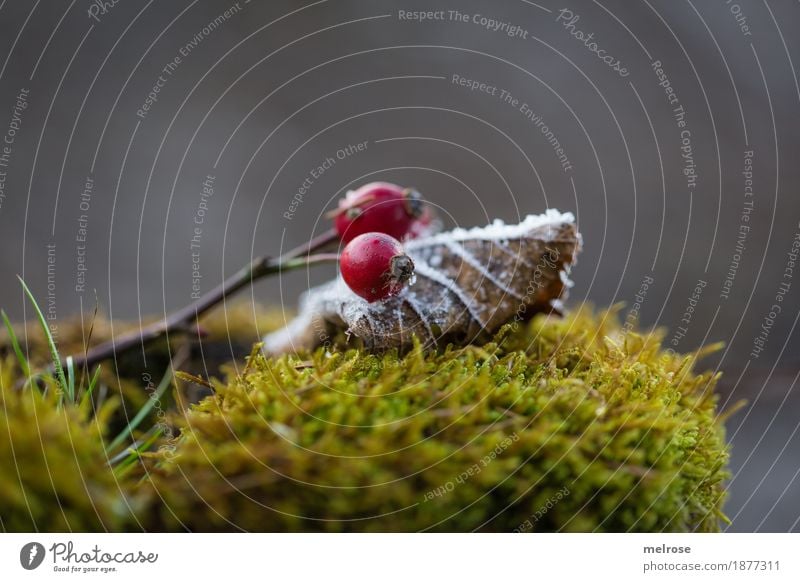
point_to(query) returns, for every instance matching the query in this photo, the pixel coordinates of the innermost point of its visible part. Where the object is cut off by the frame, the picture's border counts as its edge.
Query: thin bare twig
(182, 319)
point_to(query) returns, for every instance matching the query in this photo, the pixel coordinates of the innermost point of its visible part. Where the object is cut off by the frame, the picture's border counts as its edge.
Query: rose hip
(375, 266)
(378, 207)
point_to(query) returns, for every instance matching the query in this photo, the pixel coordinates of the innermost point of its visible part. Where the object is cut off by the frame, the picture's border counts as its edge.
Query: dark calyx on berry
(401, 269)
(413, 202)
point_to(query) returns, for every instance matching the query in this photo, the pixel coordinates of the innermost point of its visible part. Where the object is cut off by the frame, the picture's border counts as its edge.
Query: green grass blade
(23, 361)
(70, 379)
(130, 460)
(143, 412)
(125, 453)
(92, 384)
(50, 341)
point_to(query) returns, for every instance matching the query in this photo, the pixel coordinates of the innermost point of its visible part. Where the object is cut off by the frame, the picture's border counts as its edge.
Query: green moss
(561, 424)
(54, 473)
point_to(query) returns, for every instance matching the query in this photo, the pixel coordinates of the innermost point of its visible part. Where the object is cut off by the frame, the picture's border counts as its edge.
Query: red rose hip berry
(378, 207)
(375, 266)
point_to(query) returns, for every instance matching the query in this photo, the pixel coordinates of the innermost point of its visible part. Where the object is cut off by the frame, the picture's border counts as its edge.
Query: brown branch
(182, 319)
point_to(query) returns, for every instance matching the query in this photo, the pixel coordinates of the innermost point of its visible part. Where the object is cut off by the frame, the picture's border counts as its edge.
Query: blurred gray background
(262, 93)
